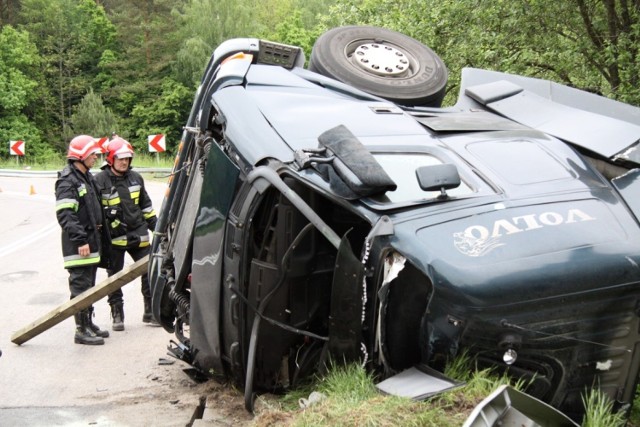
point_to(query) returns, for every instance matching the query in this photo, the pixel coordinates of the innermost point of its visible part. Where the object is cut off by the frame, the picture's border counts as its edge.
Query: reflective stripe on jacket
(79, 214)
(132, 213)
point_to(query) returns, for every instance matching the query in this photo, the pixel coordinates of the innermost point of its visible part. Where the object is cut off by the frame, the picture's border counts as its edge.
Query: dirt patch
(224, 404)
(171, 396)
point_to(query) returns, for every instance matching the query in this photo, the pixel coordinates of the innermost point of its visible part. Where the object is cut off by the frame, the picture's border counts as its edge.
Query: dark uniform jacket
(79, 214)
(128, 208)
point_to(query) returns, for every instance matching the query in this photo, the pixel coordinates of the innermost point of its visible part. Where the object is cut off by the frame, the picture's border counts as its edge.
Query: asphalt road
(49, 380)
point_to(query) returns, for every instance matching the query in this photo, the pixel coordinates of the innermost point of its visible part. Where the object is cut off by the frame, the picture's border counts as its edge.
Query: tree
(91, 117)
(18, 62)
(17, 56)
(206, 24)
(8, 12)
(609, 40)
(164, 114)
(132, 76)
(71, 36)
(292, 22)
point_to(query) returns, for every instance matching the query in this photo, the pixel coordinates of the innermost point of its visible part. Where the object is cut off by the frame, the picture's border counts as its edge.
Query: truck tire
(381, 62)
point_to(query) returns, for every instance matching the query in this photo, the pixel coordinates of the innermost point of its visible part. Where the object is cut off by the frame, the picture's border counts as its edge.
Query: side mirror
(438, 177)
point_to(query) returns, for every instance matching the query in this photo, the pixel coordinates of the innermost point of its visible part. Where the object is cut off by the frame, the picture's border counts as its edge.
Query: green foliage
(160, 115)
(91, 117)
(191, 61)
(206, 24)
(134, 53)
(53, 161)
(105, 78)
(291, 30)
(17, 57)
(18, 68)
(634, 418)
(70, 35)
(98, 32)
(15, 127)
(8, 12)
(132, 78)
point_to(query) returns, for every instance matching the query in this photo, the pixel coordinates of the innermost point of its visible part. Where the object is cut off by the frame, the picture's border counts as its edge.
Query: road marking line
(27, 240)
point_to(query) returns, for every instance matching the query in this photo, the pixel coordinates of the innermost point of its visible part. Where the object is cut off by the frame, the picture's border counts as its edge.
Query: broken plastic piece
(418, 383)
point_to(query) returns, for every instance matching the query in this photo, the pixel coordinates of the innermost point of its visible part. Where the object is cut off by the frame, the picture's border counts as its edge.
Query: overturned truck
(337, 211)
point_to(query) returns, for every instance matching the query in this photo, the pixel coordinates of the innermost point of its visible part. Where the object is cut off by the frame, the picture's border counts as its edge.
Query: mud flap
(345, 318)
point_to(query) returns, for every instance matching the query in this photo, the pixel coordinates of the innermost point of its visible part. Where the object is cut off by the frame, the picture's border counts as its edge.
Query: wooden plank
(82, 301)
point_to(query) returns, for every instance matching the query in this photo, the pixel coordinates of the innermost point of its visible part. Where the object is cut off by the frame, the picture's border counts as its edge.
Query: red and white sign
(102, 143)
(157, 143)
(16, 148)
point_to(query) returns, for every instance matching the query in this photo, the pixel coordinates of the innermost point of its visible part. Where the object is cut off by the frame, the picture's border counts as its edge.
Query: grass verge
(141, 161)
(350, 398)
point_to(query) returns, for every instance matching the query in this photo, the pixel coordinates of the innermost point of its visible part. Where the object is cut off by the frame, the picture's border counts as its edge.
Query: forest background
(71, 67)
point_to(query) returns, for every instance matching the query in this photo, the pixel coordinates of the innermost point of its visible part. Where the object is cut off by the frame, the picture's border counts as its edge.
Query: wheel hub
(382, 60)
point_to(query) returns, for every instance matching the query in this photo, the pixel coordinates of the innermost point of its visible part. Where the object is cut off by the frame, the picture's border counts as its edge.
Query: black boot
(84, 335)
(117, 314)
(147, 317)
(95, 328)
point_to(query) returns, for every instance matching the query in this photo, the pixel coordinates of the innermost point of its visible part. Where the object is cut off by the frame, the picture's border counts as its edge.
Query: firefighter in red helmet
(130, 214)
(81, 218)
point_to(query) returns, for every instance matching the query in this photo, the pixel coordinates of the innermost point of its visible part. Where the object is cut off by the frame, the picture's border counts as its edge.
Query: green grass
(351, 399)
(146, 160)
(24, 164)
(598, 413)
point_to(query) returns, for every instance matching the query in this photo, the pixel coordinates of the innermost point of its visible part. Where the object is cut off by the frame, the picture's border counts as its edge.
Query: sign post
(17, 148)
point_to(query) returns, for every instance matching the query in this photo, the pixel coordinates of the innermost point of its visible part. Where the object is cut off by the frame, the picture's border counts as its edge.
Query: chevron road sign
(16, 148)
(157, 143)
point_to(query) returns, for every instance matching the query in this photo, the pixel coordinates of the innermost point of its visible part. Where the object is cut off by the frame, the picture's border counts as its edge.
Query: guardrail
(53, 174)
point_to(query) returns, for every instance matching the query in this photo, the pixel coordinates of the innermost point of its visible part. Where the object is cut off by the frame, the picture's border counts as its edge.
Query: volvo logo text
(478, 240)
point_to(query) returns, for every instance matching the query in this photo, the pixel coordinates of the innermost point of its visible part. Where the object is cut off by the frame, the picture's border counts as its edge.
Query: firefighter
(80, 216)
(130, 215)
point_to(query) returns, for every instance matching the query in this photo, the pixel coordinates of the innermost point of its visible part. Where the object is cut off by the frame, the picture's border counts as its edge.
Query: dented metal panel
(629, 187)
(603, 135)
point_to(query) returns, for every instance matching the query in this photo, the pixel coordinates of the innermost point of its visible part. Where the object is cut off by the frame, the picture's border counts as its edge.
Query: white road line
(27, 240)
(33, 237)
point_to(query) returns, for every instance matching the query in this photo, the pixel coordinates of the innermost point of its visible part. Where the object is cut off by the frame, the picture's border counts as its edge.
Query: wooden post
(82, 301)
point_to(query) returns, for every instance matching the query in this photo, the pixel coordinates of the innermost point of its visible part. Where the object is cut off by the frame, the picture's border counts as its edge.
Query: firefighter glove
(133, 240)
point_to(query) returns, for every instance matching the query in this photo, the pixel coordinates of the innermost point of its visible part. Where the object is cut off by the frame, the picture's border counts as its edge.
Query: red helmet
(118, 148)
(81, 147)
